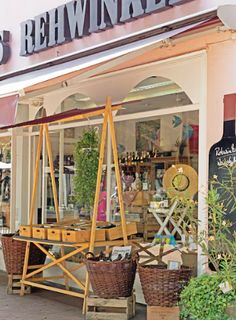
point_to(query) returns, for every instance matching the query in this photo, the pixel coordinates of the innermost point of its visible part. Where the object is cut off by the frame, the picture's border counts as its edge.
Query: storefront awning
(66, 116)
(59, 117)
(8, 108)
(86, 66)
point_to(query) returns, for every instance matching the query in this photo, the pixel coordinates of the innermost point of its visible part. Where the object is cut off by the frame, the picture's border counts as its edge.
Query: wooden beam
(25, 268)
(36, 176)
(53, 263)
(98, 185)
(42, 286)
(117, 171)
(51, 165)
(57, 263)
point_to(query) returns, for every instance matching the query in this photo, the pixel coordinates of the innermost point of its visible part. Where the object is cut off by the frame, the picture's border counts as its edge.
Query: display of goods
(14, 254)
(161, 286)
(111, 279)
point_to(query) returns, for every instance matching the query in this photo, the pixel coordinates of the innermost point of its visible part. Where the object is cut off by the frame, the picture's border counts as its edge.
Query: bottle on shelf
(127, 159)
(145, 183)
(141, 157)
(133, 161)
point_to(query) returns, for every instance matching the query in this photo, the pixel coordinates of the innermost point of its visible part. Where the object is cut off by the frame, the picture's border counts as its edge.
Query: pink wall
(221, 81)
(13, 12)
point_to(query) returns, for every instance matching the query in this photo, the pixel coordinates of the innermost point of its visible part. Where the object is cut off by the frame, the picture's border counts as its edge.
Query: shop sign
(5, 50)
(79, 18)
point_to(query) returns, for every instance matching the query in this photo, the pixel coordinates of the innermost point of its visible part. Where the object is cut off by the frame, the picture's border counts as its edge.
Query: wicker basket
(162, 287)
(14, 254)
(112, 279)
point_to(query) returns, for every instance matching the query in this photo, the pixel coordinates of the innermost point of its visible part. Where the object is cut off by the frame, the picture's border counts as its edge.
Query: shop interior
(5, 183)
(150, 141)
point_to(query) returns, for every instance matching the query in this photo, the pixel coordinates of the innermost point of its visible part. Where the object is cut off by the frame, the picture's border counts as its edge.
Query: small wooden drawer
(76, 236)
(163, 313)
(100, 235)
(25, 231)
(54, 234)
(81, 235)
(39, 232)
(116, 232)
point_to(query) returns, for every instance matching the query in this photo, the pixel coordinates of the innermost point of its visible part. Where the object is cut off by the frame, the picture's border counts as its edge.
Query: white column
(203, 165)
(13, 183)
(20, 187)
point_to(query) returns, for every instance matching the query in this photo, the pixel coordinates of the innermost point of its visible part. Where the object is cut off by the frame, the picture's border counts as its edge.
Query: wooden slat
(98, 184)
(43, 286)
(60, 264)
(99, 302)
(53, 263)
(51, 165)
(25, 268)
(96, 199)
(36, 176)
(117, 171)
(83, 245)
(37, 266)
(105, 316)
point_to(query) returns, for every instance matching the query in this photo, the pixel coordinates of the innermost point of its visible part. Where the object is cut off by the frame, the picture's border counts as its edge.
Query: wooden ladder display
(108, 123)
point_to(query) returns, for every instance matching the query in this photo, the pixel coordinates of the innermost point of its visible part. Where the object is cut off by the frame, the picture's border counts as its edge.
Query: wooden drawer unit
(81, 235)
(39, 232)
(116, 232)
(25, 231)
(162, 313)
(54, 234)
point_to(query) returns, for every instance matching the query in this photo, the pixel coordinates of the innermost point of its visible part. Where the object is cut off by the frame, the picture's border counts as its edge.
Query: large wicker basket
(112, 279)
(14, 254)
(162, 287)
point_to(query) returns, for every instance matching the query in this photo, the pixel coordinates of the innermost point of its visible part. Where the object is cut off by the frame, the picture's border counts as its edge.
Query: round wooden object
(180, 180)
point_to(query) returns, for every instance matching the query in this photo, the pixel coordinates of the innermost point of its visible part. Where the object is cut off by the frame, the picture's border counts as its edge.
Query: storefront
(170, 77)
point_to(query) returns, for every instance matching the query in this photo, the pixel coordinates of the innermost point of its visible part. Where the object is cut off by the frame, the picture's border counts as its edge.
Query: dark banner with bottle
(222, 160)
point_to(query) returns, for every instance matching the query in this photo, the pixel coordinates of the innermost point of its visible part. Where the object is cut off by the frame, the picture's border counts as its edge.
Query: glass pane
(5, 184)
(148, 147)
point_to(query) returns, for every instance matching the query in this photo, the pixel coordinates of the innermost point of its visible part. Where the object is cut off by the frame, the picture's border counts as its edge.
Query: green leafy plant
(203, 299)
(219, 245)
(86, 157)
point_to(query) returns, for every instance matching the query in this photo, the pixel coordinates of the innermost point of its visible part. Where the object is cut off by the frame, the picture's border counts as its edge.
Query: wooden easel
(79, 247)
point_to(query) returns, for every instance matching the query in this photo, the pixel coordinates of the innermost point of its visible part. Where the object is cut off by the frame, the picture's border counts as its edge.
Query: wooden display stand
(30, 279)
(14, 285)
(162, 313)
(110, 309)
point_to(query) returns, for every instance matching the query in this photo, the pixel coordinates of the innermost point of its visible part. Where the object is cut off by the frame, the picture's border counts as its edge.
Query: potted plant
(203, 299)
(212, 295)
(86, 157)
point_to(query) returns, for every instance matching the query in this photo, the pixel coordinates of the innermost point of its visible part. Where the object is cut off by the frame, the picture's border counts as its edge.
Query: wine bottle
(145, 181)
(136, 157)
(133, 158)
(141, 157)
(224, 152)
(127, 158)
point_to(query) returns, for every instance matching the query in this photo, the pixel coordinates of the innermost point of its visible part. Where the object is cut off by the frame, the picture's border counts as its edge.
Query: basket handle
(89, 255)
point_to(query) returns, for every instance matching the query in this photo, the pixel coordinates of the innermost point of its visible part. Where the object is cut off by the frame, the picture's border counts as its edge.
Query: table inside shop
(165, 216)
(30, 279)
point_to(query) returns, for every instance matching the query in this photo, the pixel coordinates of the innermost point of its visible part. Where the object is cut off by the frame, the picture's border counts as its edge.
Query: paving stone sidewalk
(44, 305)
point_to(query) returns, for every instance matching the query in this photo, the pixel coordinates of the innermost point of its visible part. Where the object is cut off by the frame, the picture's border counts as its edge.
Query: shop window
(154, 93)
(5, 184)
(63, 147)
(75, 101)
(149, 145)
